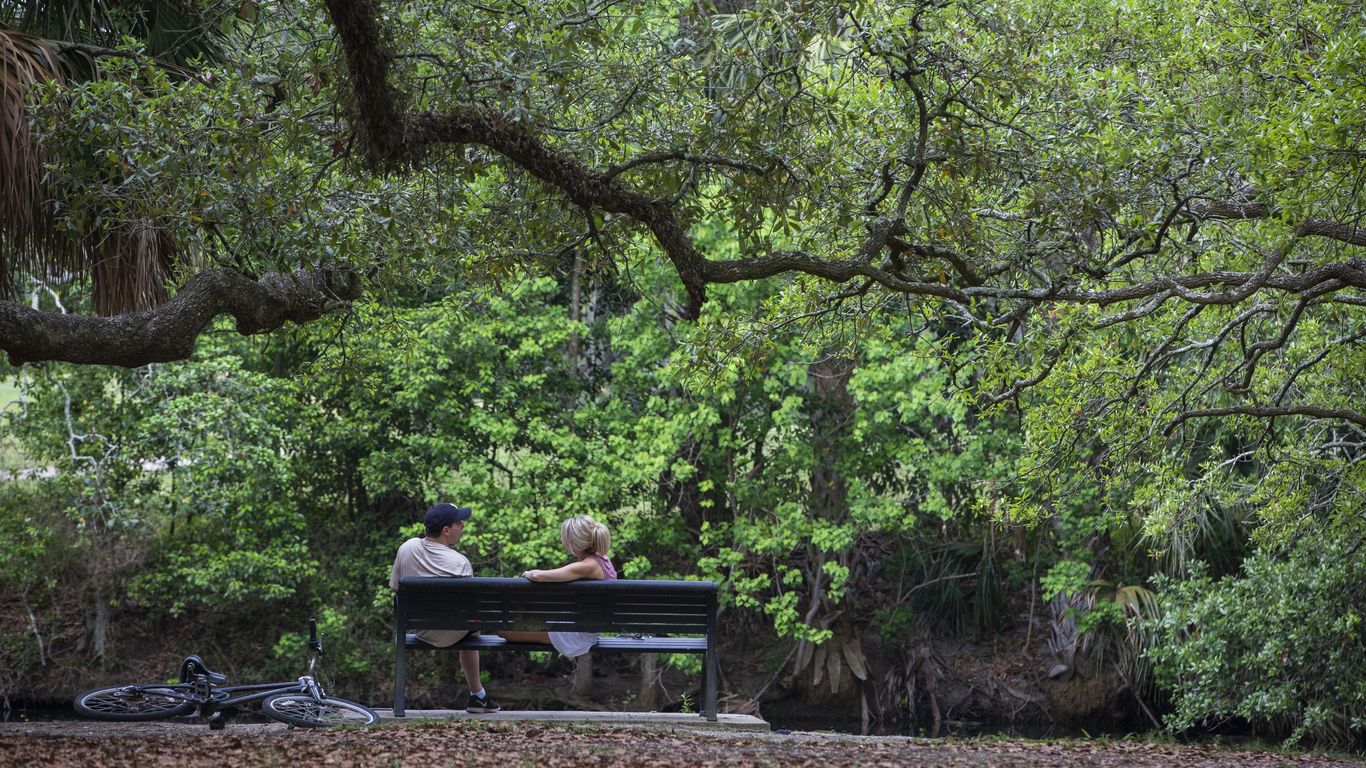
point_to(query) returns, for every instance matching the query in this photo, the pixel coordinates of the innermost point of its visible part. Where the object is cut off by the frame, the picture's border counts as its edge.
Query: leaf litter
(73, 744)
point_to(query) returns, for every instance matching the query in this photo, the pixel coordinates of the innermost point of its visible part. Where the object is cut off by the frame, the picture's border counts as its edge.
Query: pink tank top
(608, 572)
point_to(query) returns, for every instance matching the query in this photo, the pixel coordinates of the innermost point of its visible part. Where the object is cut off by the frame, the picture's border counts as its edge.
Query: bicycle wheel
(136, 702)
(304, 710)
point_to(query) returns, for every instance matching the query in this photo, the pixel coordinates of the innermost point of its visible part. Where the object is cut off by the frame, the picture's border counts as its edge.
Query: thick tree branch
(971, 277)
(377, 110)
(169, 331)
(1334, 230)
(585, 188)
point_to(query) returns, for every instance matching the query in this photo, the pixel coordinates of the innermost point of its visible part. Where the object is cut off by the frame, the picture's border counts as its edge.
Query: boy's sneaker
(479, 706)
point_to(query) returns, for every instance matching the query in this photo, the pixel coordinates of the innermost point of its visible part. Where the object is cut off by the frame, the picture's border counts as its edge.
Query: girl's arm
(587, 568)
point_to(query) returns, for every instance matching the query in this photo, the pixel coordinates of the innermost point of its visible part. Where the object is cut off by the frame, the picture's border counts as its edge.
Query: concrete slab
(649, 719)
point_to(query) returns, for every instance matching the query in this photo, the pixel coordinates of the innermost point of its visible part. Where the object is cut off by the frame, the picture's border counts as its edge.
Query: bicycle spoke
(315, 711)
(303, 710)
(132, 703)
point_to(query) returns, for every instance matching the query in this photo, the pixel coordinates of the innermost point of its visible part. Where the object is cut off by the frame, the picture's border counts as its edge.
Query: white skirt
(573, 644)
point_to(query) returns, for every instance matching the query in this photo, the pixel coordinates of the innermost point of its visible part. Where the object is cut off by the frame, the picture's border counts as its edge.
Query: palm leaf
(29, 240)
(128, 268)
(174, 31)
(60, 42)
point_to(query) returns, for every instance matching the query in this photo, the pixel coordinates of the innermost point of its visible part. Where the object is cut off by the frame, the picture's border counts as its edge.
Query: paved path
(658, 719)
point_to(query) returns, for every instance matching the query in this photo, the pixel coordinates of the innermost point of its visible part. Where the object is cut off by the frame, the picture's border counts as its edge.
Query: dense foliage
(1279, 646)
(894, 318)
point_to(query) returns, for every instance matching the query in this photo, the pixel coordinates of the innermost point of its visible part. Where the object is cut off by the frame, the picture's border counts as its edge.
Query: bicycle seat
(193, 667)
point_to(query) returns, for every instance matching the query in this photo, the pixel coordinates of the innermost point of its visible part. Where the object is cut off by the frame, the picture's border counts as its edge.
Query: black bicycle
(202, 695)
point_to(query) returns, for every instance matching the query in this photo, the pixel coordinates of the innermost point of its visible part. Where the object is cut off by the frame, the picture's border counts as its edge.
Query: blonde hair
(582, 533)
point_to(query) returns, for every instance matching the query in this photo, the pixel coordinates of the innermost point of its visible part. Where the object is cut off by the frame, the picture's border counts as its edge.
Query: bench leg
(400, 674)
(709, 687)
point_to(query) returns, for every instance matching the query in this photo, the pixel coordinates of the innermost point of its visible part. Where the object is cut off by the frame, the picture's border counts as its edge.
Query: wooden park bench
(649, 616)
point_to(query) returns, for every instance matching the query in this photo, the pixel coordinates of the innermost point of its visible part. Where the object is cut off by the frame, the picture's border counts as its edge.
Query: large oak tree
(1043, 174)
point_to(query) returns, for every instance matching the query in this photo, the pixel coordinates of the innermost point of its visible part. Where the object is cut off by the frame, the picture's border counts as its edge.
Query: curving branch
(586, 188)
(1020, 385)
(1253, 354)
(1315, 227)
(393, 138)
(686, 157)
(1270, 412)
(169, 331)
(887, 256)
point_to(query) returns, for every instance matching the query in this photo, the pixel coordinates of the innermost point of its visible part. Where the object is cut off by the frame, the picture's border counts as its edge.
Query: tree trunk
(575, 314)
(649, 683)
(583, 676)
(100, 630)
(832, 410)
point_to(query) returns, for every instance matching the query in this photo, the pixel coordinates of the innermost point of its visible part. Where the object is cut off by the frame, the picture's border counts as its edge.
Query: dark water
(36, 711)
(49, 711)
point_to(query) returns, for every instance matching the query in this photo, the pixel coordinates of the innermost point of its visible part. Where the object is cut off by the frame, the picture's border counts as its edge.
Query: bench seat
(631, 616)
(625, 643)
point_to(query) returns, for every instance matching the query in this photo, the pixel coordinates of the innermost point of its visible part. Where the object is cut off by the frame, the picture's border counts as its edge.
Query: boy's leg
(479, 702)
(469, 663)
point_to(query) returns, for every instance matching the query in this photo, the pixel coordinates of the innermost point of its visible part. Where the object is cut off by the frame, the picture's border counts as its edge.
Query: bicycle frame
(232, 695)
(210, 698)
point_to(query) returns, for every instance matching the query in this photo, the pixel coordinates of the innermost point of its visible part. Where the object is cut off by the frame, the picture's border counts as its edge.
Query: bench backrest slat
(647, 607)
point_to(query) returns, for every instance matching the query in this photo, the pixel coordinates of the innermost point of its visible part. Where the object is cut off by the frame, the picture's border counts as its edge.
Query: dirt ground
(505, 745)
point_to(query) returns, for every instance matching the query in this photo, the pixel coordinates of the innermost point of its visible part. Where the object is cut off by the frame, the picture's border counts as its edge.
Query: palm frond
(128, 268)
(29, 240)
(174, 31)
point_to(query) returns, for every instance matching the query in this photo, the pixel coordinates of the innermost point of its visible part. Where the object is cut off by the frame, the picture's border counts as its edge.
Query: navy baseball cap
(441, 515)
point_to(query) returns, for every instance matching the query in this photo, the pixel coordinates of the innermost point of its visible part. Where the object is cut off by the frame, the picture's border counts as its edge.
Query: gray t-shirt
(423, 557)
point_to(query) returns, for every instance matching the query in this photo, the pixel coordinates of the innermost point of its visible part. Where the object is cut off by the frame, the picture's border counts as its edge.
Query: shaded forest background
(1039, 401)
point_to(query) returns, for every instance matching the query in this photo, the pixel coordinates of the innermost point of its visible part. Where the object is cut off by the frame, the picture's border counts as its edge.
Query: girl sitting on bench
(588, 541)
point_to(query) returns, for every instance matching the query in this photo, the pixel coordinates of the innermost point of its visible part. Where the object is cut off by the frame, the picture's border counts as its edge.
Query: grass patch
(10, 456)
(9, 392)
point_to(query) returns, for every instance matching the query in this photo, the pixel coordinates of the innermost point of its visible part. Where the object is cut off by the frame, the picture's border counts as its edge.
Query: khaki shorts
(440, 638)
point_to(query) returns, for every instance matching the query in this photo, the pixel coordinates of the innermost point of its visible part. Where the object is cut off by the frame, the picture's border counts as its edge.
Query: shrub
(1280, 645)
